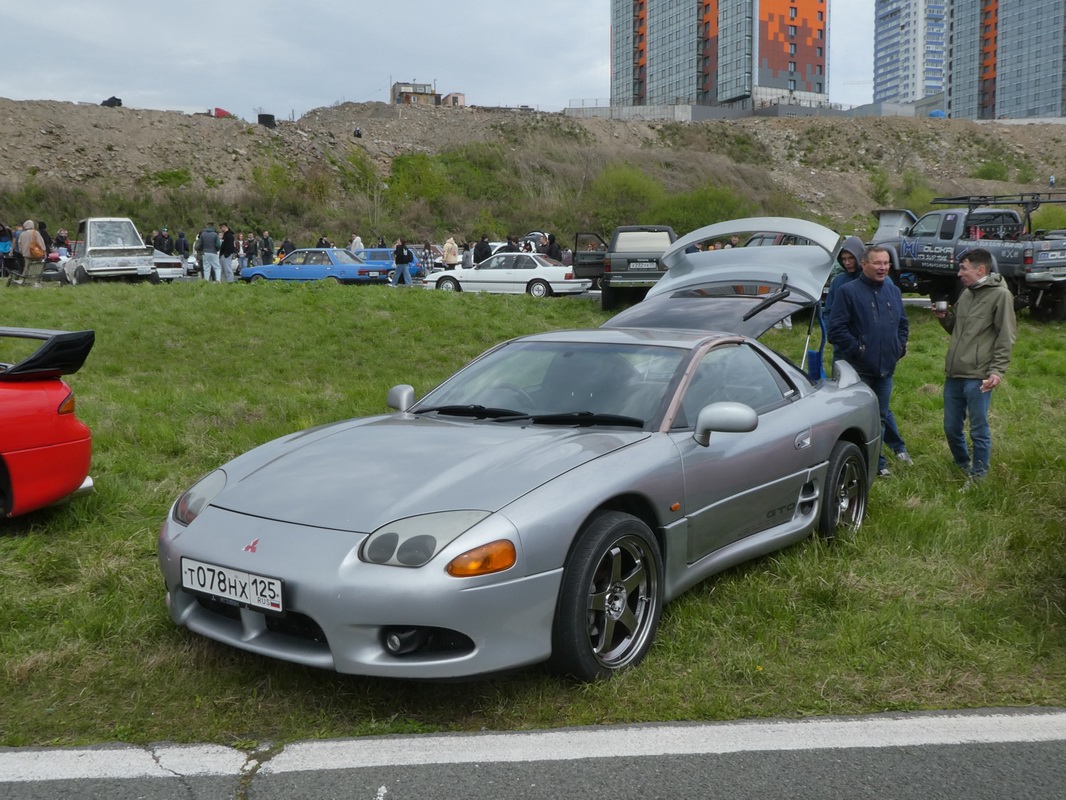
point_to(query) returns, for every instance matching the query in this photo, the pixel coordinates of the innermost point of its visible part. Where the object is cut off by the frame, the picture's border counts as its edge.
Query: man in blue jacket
(868, 328)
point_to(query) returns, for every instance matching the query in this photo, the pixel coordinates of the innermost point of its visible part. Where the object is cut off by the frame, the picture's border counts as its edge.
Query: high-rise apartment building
(711, 52)
(910, 49)
(1006, 59)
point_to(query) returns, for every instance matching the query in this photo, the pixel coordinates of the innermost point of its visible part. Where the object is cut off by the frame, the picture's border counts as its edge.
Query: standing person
(357, 242)
(208, 244)
(467, 258)
(183, 248)
(33, 249)
(482, 249)
(451, 253)
(266, 248)
(983, 330)
(323, 242)
(286, 247)
(7, 244)
(849, 258)
(242, 252)
(553, 251)
(226, 251)
(163, 243)
(868, 328)
(403, 257)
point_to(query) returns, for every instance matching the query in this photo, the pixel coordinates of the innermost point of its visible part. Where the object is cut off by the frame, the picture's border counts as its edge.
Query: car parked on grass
(511, 273)
(575, 481)
(45, 449)
(321, 264)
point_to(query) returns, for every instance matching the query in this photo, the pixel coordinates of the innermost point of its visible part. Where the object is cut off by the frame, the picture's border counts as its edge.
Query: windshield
(114, 233)
(540, 379)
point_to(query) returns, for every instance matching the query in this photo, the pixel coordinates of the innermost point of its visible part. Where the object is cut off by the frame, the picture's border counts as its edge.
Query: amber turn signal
(492, 557)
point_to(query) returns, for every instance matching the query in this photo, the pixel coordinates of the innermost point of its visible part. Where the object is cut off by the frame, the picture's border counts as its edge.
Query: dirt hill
(825, 162)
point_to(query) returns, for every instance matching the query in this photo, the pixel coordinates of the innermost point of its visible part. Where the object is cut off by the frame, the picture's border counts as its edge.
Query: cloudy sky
(283, 58)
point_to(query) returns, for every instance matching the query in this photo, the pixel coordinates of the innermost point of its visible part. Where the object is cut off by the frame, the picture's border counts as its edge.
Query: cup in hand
(940, 305)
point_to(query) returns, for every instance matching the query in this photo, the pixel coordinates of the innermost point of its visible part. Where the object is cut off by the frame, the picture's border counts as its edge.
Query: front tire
(846, 491)
(448, 285)
(610, 601)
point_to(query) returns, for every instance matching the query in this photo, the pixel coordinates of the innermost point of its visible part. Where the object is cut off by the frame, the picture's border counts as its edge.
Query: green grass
(942, 600)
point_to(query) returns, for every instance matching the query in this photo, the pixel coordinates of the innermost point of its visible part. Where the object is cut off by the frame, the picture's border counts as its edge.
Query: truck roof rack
(1028, 202)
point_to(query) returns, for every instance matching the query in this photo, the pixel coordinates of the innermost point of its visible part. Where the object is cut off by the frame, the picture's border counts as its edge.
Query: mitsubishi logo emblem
(250, 548)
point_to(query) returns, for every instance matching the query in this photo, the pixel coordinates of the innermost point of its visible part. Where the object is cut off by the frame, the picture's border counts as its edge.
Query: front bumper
(339, 609)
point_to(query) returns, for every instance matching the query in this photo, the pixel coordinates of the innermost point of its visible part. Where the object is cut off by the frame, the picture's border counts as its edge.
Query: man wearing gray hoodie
(851, 254)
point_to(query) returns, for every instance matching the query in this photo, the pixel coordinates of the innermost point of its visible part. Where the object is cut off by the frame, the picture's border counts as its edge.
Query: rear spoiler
(63, 353)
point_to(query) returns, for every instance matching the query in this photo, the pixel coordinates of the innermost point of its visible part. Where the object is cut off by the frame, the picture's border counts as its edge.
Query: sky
(284, 58)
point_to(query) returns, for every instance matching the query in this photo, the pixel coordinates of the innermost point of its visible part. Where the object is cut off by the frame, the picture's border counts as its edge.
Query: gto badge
(250, 548)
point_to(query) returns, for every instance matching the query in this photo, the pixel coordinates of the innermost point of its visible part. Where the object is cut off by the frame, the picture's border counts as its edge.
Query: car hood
(361, 474)
(742, 290)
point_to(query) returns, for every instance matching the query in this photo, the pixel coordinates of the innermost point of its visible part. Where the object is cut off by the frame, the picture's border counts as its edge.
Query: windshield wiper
(476, 411)
(582, 418)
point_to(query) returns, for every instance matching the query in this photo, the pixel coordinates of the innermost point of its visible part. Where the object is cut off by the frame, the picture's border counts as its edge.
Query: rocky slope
(824, 162)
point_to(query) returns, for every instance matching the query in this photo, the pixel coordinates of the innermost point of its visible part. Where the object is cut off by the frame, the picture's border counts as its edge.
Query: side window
(525, 262)
(296, 258)
(735, 373)
(947, 229)
(926, 226)
(317, 259)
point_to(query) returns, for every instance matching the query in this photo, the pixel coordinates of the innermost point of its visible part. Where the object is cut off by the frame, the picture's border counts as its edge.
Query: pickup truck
(110, 247)
(925, 252)
(627, 266)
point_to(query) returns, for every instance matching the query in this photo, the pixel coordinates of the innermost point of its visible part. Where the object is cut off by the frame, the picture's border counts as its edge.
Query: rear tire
(80, 276)
(608, 297)
(610, 600)
(846, 490)
(539, 289)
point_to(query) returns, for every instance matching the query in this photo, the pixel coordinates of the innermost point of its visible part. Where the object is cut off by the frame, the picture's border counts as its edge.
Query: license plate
(374, 274)
(644, 265)
(243, 588)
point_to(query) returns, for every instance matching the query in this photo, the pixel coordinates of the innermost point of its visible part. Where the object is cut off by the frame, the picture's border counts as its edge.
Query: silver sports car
(575, 482)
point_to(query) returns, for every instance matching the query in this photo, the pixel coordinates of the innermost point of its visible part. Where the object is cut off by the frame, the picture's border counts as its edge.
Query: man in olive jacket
(983, 330)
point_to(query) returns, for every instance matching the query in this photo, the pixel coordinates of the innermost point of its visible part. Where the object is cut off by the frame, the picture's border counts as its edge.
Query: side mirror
(401, 397)
(725, 417)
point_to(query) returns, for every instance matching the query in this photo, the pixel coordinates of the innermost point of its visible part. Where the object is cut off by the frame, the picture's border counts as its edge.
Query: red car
(44, 448)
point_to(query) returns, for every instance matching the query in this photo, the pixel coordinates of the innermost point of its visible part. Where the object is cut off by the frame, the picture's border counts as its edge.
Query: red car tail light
(67, 406)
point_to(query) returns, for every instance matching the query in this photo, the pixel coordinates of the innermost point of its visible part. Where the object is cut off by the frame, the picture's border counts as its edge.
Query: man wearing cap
(164, 243)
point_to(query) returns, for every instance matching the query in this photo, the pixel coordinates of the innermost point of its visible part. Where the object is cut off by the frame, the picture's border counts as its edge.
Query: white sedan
(511, 273)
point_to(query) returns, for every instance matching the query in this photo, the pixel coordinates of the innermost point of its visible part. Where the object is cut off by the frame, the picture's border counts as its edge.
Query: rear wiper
(577, 418)
(776, 297)
(476, 411)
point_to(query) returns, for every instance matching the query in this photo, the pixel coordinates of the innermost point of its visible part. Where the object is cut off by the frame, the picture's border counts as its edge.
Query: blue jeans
(890, 435)
(403, 275)
(963, 398)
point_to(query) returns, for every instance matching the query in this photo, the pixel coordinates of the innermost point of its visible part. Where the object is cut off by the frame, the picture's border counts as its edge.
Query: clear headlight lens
(195, 500)
(413, 541)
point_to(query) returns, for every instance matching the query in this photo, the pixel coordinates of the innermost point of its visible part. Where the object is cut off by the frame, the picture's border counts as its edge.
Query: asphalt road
(979, 755)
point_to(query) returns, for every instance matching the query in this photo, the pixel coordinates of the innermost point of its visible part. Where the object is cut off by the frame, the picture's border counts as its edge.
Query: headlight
(195, 500)
(413, 541)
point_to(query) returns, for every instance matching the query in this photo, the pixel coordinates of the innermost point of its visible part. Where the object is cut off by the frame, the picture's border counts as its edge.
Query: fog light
(399, 641)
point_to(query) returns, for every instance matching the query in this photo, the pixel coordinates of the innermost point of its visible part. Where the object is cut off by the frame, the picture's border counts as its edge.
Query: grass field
(944, 598)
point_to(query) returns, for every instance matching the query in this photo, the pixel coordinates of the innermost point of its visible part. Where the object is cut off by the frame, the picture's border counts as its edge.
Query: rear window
(642, 241)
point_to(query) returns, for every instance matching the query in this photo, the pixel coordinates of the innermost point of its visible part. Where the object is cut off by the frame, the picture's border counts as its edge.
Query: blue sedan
(322, 264)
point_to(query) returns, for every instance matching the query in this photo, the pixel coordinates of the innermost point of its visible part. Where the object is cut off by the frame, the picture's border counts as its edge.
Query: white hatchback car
(511, 273)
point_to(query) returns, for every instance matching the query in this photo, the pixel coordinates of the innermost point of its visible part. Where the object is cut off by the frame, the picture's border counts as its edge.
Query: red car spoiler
(62, 353)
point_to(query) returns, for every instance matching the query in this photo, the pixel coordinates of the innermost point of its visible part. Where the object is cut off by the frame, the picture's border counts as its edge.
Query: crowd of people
(24, 248)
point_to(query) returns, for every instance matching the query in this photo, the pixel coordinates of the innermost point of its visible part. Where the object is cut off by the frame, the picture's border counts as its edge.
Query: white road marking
(21, 765)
